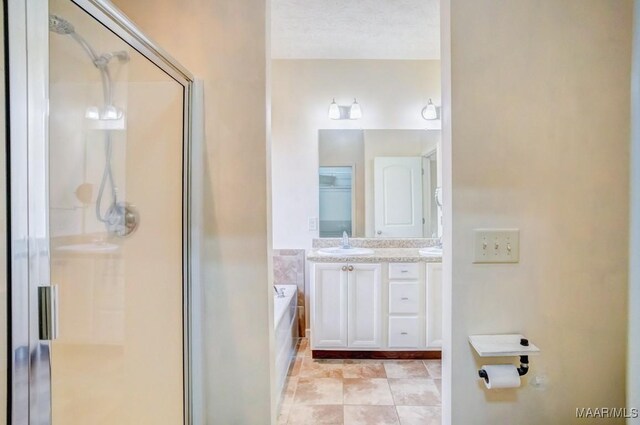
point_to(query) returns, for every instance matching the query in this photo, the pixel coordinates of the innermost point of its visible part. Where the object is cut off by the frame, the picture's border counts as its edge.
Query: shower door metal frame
(27, 61)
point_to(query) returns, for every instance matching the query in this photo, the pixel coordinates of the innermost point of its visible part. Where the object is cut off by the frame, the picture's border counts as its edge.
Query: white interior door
(398, 197)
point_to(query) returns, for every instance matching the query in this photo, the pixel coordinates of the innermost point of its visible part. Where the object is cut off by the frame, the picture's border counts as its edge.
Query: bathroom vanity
(386, 304)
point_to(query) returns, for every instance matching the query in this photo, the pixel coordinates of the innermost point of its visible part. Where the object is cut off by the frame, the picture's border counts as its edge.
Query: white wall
(224, 43)
(3, 241)
(392, 95)
(540, 141)
(633, 372)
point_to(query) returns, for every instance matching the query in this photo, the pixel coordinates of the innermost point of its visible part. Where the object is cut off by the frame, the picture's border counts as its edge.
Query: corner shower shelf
(502, 345)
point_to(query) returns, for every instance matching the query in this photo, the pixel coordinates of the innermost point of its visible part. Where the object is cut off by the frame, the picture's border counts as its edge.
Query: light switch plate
(496, 246)
(313, 223)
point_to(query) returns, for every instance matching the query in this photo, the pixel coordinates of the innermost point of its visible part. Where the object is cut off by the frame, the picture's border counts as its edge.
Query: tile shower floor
(360, 392)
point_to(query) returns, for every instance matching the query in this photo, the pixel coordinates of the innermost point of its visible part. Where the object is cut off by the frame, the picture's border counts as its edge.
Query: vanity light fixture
(334, 110)
(355, 112)
(342, 112)
(430, 112)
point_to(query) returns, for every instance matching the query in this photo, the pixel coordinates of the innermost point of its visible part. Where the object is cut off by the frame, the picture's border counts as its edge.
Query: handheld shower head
(60, 25)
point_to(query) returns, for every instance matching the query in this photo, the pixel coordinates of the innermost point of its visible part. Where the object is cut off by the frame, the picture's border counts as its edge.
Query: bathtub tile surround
(288, 269)
(360, 392)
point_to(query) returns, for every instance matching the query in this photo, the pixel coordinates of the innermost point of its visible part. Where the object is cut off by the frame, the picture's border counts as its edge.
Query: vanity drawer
(404, 270)
(404, 297)
(403, 332)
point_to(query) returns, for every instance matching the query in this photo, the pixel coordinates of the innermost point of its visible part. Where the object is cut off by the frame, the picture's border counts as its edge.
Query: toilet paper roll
(502, 376)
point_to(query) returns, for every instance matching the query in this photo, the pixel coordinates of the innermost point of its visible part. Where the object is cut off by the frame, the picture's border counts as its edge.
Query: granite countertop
(380, 255)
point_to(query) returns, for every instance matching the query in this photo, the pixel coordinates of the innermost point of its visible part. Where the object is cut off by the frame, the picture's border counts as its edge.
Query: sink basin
(345, 252)
(432, 251)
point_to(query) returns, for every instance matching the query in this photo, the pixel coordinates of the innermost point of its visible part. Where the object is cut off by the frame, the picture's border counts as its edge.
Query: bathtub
(286, 331)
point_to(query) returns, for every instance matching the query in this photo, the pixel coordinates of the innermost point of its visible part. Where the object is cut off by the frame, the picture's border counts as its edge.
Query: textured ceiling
(356, 29)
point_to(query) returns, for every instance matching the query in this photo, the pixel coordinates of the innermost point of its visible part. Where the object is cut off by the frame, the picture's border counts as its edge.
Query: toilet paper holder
(502, 346)
(522, 370)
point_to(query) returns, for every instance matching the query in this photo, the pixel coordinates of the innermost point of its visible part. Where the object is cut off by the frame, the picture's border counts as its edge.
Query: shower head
(60, 25)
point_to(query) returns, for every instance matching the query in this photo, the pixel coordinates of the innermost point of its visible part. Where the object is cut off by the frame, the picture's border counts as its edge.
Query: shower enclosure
(99, 136)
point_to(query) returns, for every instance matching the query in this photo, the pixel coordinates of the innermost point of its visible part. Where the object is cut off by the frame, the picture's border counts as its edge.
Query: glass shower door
(116, 136)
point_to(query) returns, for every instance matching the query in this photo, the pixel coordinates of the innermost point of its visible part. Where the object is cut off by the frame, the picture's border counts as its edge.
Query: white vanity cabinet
(376, 306)
(346, 305)
(406, 305)
(434, 305)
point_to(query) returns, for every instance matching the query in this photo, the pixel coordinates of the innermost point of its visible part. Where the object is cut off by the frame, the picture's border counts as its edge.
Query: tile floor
(360, 392)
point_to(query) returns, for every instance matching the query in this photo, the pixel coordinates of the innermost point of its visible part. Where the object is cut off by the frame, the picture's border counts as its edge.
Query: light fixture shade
(355, 112)
(110, 112)
(430, 112)
(92, 113)
(334, 110)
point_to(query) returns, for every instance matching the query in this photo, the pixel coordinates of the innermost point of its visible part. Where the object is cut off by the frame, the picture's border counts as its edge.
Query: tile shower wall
(288, 269)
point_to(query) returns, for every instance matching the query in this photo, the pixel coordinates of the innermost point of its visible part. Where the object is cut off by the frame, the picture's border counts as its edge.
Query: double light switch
(496, 246)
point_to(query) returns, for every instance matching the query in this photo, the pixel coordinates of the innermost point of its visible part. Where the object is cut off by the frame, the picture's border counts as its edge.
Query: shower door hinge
(48, 312)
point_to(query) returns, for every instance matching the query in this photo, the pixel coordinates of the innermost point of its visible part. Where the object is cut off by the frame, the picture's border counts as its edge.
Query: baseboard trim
(377, 355)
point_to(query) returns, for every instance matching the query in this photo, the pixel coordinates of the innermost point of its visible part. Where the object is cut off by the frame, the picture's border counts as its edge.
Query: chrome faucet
(279, 292)
(345, 240)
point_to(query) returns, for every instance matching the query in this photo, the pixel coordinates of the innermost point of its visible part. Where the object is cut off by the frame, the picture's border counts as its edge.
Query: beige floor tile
(312, 368)
(294, 369)
(363, 369)
(406, 369)
(367, 391)
(316, 415)
(419, 415)
(319, 391)
(438, 383)
(414, 392)
(370, 415)
(289, 390)
(434, 367)
(283, 415)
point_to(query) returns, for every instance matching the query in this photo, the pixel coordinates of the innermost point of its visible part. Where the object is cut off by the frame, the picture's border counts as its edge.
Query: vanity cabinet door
(329, 306)
(365, 306)
(434, 305)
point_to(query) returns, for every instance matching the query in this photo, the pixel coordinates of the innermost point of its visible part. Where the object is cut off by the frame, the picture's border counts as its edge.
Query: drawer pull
(404, 271)
(403, 333)
(404, 299)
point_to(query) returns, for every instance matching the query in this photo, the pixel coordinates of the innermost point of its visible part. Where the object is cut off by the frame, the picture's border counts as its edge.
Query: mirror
(379, 183)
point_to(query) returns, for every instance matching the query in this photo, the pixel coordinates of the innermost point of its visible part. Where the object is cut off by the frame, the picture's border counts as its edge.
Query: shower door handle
(48, 312)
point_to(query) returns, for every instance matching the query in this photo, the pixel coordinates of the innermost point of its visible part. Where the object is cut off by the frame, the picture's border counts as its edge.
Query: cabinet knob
(379, 232)
(350, 268)
(344, 268)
